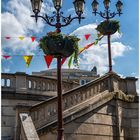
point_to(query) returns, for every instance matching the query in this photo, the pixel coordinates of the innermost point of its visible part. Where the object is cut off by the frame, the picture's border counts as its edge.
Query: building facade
(21, 89)
(73, 75)
(105, 108)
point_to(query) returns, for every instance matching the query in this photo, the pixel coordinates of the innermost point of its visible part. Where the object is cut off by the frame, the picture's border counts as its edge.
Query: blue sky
(16, 21)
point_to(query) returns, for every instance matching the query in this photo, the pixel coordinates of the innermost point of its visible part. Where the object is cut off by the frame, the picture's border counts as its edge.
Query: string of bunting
(85, 48)
(33, 38)
(28, 58)
(48, 58)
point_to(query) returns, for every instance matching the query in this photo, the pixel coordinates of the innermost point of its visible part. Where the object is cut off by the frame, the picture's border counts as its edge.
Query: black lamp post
(108, 15)
(58, 21)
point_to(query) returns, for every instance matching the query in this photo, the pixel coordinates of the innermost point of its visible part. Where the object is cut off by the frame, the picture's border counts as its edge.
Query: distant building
(72, 75)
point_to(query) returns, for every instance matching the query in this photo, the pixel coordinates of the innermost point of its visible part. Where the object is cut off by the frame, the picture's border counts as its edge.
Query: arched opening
(2, 82)
(30, 84)
(8, 83)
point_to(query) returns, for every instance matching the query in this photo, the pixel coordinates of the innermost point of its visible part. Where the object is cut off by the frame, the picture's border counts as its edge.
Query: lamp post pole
(59, 98)
(109, 53)
(107, 15)
(58, 21)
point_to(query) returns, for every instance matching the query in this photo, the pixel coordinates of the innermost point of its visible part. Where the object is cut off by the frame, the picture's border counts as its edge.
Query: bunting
(21, 37)
(63, 60)
(33, 38)
(6, 56)
(86, 47)
(48, 59)
(87, 36)
(7, 37)
(27, 59)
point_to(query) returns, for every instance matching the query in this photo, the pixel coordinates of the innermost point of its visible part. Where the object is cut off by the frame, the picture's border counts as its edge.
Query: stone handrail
(27, 131)
(46, 112)
(24, 83)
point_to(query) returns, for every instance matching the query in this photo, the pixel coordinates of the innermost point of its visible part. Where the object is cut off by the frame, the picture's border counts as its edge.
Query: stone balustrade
(24, 83)
(46, 112)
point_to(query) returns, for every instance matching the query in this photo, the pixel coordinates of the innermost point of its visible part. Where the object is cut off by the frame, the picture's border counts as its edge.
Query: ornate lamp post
(108, 15)
(58, 21)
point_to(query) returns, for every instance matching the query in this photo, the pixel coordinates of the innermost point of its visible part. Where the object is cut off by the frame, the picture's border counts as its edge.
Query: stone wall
(114, 120)
(8, 112)
(103, 123)
(23, 89)
(46, 112)
(128, 120)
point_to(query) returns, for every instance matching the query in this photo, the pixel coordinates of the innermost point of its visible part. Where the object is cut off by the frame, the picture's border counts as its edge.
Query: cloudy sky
(16, 21)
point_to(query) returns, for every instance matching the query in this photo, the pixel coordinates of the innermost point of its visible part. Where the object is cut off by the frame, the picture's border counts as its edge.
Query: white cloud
(17, 22)
(98, 55)
(5, 70)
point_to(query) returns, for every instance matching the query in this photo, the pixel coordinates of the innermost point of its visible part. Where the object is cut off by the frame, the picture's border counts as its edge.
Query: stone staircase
(79, 102)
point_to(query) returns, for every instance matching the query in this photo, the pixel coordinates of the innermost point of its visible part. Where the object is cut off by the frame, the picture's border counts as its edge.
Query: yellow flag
(27, 59)
(21, 37)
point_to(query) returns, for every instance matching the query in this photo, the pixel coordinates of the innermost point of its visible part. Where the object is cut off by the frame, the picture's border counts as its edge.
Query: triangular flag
(96, 42)
(48, 59)
(7, 37)
(6, 56)
(21, 37)
(87, 36)
(27, 59)
(81, 50)
(63, 60)
(86, 47)
(33, 38)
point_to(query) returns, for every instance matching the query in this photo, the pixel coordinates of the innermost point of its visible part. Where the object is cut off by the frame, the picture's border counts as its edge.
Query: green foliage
(56, 44)
(108, 27)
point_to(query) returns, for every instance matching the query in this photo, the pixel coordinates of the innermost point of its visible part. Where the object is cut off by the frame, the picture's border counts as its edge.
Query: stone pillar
(131, 85)
(110, 84)
(21, 83)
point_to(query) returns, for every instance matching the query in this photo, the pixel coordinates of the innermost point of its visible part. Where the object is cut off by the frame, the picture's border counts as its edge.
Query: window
(2, 82)
(8, 83)
(30, 84)
(82, 82)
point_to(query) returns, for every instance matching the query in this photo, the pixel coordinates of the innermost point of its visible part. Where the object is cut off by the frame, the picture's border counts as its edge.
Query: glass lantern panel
(94, 6)
(81, 6)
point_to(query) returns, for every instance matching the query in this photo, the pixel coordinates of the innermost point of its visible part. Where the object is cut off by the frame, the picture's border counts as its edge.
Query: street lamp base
(60, 135)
